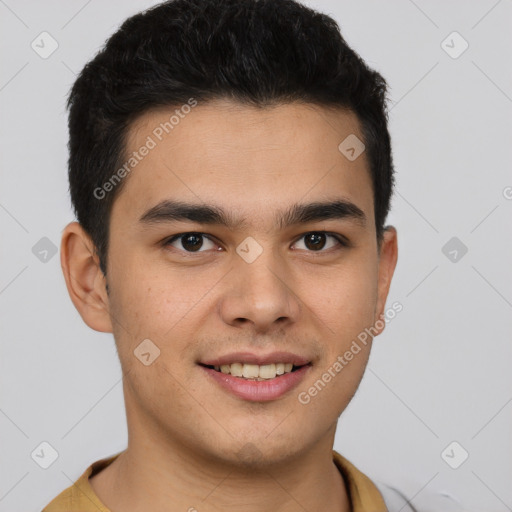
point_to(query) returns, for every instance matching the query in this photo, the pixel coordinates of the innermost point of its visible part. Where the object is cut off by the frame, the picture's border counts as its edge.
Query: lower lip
(259, 390)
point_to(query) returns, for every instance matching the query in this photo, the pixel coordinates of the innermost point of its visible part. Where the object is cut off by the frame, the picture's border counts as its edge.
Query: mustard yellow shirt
(80, 497)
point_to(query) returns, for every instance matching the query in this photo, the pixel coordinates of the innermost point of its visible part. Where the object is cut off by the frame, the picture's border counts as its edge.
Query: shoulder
(367, 494)
(395, 499)
(80, 496)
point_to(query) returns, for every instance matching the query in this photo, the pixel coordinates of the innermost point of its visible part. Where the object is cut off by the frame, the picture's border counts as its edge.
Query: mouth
(254, 372)
(256, 383)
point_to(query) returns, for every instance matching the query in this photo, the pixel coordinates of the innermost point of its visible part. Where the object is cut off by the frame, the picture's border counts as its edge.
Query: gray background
(441, 370)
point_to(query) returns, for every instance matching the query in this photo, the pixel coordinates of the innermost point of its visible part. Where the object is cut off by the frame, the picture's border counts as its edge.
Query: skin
(185, 433)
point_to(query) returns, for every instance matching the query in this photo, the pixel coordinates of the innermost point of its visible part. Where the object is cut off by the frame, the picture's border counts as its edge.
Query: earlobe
(84, 279)
(388, 257)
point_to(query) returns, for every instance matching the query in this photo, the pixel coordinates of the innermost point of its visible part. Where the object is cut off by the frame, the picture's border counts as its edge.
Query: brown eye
(315, 241)
(190, 242)
(318, 240)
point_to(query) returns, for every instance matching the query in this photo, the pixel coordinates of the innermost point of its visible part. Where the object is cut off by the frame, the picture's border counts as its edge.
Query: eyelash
(342, 241)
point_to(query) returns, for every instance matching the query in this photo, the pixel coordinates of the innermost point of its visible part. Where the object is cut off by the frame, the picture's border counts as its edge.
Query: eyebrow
(170, 210)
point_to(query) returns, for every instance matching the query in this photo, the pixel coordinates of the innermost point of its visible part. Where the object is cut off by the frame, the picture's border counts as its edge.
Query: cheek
(344, 299)
(143, 299)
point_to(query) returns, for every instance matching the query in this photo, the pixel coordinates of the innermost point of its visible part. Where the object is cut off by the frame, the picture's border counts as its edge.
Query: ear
(85, 281)
(388, 255)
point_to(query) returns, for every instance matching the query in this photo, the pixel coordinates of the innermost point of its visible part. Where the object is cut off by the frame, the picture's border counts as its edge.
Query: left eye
(314, 241)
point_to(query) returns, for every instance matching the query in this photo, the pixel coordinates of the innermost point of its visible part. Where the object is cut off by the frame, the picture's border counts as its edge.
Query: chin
(260, 454)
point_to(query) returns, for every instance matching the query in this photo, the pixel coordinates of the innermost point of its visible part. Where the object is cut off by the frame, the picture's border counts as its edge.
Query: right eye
(190, 242)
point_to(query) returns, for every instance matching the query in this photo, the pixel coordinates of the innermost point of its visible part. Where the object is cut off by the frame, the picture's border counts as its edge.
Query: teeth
(267, 371)
(254, 371)
(251, 371)
(235, 369)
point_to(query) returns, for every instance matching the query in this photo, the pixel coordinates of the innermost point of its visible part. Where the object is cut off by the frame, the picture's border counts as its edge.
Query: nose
(260, 295)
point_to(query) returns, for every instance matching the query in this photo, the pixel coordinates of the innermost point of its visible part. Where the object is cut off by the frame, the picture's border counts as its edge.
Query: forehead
(246, 158)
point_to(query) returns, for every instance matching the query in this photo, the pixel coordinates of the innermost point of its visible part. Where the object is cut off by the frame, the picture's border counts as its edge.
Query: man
(231, 172)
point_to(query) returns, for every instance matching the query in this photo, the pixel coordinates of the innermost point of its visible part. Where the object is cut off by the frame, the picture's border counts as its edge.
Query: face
(273, 249)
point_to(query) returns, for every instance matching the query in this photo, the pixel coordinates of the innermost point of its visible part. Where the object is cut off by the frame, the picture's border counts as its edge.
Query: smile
(257, 383)
(254, 371)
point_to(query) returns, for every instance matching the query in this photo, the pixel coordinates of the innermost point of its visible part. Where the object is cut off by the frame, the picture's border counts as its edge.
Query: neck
(158, 474)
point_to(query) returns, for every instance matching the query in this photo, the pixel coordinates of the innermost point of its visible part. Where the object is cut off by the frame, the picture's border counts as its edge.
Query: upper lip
(259, 359)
